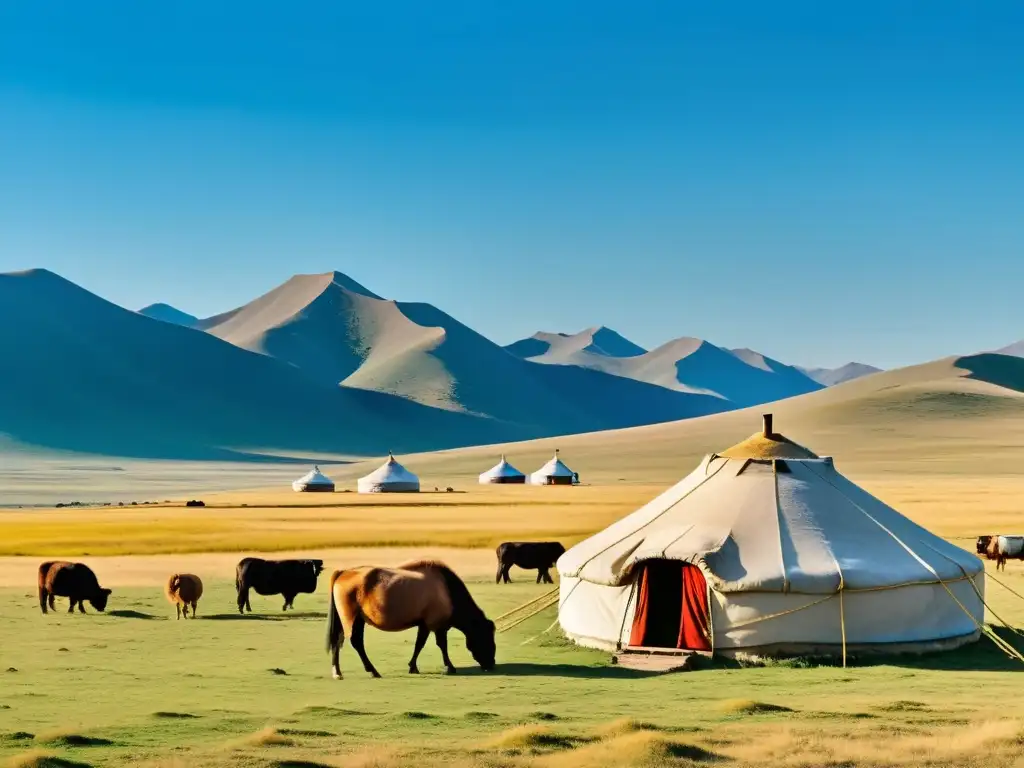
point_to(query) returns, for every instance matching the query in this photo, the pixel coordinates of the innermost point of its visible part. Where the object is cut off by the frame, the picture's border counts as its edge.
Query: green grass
(137, 687)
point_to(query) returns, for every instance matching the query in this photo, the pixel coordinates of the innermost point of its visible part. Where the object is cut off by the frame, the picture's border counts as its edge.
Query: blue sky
(819, 181)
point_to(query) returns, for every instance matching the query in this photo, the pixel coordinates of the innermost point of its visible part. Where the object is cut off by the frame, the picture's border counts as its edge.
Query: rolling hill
(737, 377)
(86, 375)
(338, 333)
(956, 417)
(829, 377)
(169, 314)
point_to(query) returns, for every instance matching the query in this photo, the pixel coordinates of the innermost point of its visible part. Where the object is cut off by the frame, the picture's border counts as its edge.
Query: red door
(672, 607)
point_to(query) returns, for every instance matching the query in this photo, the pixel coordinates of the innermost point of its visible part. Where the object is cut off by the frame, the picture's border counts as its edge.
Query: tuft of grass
(17, 736)
(623, 726)
(298, 764)
(547, 717)
(903, 705)
(268, 737)
(73, 740)
(641, 749)
(175, 716)
(749, 707)
(38, 759)
(416, 716)
(480, 716)
(530, 738)
(323, 710)
(277, 671)
(302, 733)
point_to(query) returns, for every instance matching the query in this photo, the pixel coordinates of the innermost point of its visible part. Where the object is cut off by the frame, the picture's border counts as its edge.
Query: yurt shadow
(574, 671)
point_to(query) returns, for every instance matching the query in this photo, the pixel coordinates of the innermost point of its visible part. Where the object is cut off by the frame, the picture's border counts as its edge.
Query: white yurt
(502, 473)
(313, 481)
(766, 549)
(553, 473)
(389, 477)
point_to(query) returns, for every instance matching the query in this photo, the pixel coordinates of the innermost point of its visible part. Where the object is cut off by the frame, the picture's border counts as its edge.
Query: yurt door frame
(672, 607)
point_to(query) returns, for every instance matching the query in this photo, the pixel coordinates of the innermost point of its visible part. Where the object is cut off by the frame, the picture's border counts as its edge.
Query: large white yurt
(502, 473)
(766, 549)
(313, 481)
(389, 477)
(553, 473)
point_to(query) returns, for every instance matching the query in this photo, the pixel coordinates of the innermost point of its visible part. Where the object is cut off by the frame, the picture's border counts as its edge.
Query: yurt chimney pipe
(767, 431)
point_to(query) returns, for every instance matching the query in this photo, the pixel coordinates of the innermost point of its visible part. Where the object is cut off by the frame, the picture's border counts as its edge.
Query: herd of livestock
(424, 595)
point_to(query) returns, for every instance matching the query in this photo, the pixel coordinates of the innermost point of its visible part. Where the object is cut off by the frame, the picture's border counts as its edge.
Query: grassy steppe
(136, 687)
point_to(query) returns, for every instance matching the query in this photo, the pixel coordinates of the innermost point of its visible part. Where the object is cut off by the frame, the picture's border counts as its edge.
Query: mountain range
(323, 366)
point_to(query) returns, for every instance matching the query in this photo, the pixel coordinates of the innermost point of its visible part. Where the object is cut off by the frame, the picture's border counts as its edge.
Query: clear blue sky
(820, 181)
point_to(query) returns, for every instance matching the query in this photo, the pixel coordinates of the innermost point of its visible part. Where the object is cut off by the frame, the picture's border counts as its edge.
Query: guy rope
(526, 611)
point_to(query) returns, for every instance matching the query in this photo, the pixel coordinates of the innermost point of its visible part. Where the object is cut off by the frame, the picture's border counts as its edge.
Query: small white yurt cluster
(313, 481)
(389, 477)
(766, 549)
(553, 473)
(502, 473)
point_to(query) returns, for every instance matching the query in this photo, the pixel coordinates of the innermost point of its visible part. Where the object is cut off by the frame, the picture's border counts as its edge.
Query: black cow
(75, 581)
(541, 555)
(275, 577)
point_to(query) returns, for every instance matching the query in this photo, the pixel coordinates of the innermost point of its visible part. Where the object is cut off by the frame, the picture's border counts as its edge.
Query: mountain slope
(337, 332)
(169, 314)
(93, 377)
(1015, 350)
(956, 417)
(829, 377)
(687, 365)
(561, 347)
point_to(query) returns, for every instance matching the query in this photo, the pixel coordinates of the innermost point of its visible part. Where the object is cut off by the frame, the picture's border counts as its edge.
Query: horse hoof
(336, 674)
(452, 670)
(413, 671)
(376, 675)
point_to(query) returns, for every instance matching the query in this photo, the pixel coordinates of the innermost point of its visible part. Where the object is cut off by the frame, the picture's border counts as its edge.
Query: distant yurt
(502, 473)
(313, 481)
(767, 550)
(389, 477)
(553, 473)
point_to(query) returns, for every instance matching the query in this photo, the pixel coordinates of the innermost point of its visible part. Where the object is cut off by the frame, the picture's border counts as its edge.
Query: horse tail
(44, 593)
(335, 631)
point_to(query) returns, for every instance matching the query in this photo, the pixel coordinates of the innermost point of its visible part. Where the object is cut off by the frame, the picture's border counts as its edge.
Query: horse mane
(465, 611)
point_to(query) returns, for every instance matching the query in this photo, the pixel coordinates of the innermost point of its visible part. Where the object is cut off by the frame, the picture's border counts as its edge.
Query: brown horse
(75, 581)
(422, 594)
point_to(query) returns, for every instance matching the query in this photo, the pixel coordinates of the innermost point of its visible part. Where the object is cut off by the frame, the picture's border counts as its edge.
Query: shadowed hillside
(86, 375)
(169, 314)
(337, 332)
(829, 377)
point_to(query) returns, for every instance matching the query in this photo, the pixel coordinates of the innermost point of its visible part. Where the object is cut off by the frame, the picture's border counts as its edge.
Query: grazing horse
(275, 577)
(75, 581)
(528, 555)
(424, 594)
(184, 590)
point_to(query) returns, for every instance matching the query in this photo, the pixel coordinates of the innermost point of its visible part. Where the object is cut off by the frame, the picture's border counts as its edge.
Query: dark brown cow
(275, 577)
(75, 581)
(528, 555)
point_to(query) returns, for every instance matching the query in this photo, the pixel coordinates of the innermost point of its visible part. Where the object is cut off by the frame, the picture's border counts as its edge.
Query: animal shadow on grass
(128, 614)
(289, 616)
(523, 669)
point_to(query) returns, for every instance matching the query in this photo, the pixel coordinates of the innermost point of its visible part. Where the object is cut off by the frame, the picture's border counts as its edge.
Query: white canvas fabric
(314, 480)
(794, 555)
(501, 472)
(389, 477)
(554, 468)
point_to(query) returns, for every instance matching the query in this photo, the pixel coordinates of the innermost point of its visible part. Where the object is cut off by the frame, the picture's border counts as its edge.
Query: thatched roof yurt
(313, 481)
(502, 473)
(389, 477)
(553, 473)
(766, 549)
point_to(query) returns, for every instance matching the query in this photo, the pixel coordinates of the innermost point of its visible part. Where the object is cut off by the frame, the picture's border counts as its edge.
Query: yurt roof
(390, 472)
(314, 477)
(772, 525)
(502, 469)
(554, 468)
(768, 444)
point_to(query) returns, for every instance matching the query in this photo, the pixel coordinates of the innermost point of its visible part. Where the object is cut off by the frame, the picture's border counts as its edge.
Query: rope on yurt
(1002, 644)
(540, 634)
(778, 523)
(842, 617)
(759, 619)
